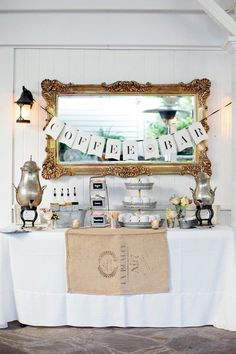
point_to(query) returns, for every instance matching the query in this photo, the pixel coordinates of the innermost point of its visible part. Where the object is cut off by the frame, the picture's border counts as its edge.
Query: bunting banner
(130, 150)
(81, 142)
(197, 132)
(55, 127)
(96, 145)
(67, 135)
(167, 144)
(182, 139)
(150, 148)
(113, 149)
(93, 144)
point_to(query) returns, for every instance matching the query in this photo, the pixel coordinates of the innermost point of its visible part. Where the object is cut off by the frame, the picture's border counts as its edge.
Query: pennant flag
(150, 148)
(96, 145)
(81, 141)
(67, 135)
(197, 132)
(130, 150)
(182, 139)
(167, 144)
(54, 127)
(113, 149)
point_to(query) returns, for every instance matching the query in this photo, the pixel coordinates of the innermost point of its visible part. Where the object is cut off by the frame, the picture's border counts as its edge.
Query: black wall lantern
(26, 99)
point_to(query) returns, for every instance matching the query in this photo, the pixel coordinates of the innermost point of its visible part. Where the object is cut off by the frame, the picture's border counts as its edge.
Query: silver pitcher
(203, 194)
(29, 192)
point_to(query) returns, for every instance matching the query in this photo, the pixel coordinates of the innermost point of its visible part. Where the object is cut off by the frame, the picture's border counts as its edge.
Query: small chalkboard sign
(97, 203)
(98, 186)
(98, 220)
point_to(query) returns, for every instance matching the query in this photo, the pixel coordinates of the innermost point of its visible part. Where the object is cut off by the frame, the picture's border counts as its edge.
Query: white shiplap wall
(96, 66)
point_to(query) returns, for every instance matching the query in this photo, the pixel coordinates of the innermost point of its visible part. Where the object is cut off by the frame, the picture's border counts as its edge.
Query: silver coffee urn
(29, 192)
(203, 197)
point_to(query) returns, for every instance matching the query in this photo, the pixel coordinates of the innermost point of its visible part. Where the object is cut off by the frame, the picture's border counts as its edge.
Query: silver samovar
(29, 192)
(203, 197)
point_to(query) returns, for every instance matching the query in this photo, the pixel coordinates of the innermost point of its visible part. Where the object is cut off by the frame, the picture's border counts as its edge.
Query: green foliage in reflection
(159, 127)
(183, 119)
(108, 135)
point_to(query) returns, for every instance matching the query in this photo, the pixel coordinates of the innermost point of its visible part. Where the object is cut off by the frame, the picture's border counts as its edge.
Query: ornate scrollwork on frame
(203, 165)
(52, 170)
(126, 171)
(56, 164)
(127, 86)
(200, 87)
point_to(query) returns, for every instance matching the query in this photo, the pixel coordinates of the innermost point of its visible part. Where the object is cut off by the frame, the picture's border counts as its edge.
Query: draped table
(33, 286)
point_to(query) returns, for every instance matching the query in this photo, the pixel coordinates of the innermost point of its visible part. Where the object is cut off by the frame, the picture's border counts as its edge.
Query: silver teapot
(29, 192)
(203, 194)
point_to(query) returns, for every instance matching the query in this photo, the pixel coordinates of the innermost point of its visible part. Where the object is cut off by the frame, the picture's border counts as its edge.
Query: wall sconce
(25, 102)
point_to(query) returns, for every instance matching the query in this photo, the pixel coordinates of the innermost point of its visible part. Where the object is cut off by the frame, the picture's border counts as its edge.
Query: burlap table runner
(117, 261)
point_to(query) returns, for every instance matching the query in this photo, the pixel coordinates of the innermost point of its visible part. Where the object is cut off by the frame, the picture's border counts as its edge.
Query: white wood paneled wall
(6, 135)
(96, 66)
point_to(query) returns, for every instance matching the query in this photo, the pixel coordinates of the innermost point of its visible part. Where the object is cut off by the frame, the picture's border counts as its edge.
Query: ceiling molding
(98, 5)
(230, 46)
(188, 48)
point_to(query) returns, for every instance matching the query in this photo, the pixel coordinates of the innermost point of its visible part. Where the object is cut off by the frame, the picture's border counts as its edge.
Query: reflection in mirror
(133, 117)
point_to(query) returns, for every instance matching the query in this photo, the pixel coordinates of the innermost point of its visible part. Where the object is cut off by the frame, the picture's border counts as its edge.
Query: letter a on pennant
(54, 127)
(182, 139)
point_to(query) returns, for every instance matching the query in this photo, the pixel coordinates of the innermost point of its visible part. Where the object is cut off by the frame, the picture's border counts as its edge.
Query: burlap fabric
(117, 261)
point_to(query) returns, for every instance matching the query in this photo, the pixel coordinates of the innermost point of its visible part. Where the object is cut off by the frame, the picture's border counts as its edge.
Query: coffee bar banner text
(93, 144)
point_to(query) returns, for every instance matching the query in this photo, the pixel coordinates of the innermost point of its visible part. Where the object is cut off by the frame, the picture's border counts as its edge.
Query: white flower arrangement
(180, 203)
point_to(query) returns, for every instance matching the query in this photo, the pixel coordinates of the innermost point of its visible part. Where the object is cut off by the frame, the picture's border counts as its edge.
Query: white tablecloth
(33, 286)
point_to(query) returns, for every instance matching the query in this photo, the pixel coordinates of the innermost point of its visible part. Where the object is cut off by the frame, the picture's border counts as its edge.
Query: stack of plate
(140, 225)
(139, 185)
(132, 205)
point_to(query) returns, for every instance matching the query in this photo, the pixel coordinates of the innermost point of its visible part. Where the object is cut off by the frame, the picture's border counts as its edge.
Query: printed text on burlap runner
(119, 261)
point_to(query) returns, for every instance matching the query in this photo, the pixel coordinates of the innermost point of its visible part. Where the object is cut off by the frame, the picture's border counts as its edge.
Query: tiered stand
(140, 206)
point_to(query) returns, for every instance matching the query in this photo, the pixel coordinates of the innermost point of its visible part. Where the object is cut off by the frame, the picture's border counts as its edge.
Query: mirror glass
(126, 117)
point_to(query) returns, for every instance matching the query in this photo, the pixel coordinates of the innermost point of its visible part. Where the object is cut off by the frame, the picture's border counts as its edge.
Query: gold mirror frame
(51, 89)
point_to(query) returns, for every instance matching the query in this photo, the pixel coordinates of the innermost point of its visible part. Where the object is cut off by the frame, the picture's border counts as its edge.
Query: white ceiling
(154, 22)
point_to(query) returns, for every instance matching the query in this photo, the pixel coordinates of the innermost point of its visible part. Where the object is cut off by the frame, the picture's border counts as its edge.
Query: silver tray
(136, 225)
(135, 186)
(13, 231)
(131, 205)
(188, 224)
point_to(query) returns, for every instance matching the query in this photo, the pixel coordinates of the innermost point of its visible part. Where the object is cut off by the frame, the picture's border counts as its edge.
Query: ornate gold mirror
(126, 111)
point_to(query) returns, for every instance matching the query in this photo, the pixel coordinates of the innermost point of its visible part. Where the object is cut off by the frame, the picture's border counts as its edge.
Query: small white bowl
(144, 218)
(135, 218)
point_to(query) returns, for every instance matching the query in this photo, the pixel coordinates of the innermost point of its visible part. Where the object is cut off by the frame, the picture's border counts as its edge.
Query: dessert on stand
(140, 204)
